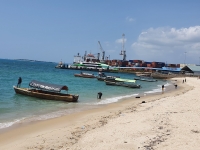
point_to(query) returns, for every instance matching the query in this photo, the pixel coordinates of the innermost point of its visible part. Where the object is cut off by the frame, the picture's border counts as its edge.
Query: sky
(49, 30)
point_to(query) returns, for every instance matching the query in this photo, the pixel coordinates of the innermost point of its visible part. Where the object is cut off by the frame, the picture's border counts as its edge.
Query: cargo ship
(89, 62)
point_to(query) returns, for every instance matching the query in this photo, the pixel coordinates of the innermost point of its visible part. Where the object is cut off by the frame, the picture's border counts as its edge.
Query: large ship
(92, 63)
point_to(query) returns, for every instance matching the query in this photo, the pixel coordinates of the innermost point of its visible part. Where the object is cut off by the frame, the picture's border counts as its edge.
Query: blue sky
(50, 30)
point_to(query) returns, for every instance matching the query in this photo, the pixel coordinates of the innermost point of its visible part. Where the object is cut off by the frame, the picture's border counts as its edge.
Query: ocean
(15, 108)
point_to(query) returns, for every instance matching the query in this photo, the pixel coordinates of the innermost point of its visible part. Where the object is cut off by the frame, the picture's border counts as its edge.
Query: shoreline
(98, 103)
(26, 121)
(79, 123)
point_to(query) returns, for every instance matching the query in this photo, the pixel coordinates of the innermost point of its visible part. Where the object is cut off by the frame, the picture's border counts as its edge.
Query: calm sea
(15, 108)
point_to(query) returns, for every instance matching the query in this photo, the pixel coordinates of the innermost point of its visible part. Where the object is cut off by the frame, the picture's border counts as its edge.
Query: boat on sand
(47, 91)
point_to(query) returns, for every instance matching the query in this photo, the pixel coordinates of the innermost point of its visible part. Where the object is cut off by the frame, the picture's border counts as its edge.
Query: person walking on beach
(185, 79)
(19, 82)
(163, 88)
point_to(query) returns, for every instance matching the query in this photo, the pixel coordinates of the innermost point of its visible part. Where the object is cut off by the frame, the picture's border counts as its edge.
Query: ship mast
(123, 51)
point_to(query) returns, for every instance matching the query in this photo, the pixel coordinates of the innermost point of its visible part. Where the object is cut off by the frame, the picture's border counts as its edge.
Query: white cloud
(129, 19)
(168, 44)
(120, 41)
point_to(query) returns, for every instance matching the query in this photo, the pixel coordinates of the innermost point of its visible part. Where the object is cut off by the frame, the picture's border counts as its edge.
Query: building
(191, 69)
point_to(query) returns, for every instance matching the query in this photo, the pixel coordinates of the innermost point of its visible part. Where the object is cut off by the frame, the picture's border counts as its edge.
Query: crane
(103, 52)
(123, 52)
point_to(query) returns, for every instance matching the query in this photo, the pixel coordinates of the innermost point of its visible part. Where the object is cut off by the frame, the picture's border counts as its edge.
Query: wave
(114, 99)
(159, 89)
(8, 124)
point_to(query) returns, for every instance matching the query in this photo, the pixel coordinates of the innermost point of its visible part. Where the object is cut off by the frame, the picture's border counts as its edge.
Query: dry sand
(168, 121)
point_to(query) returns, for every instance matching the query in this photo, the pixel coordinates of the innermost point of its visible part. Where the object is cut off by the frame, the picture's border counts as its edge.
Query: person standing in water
(19, 82)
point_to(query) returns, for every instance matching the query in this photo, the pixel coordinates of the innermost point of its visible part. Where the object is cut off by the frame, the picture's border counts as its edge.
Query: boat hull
(122, 84)
(84, 76)
(101, 78)
(146, 79)
(46, 94)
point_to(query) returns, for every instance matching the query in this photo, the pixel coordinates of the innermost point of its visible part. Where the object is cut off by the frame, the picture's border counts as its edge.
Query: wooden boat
(85, 75)
(46, 91)
(145, 78)
(123, 82)
(103, 77)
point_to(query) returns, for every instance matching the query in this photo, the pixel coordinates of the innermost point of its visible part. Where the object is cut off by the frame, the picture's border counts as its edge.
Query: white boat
(123, 82)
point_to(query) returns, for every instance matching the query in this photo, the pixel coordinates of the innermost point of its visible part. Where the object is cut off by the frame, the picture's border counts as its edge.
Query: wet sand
(165, 121)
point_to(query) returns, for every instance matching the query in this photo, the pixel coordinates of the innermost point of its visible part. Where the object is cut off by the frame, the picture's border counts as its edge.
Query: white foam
(168, 84)
(153, 91)
(8, 124)
(114, 99)
(159, 89)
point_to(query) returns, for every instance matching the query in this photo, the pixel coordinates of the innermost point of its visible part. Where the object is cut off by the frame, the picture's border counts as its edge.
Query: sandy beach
(164, 122)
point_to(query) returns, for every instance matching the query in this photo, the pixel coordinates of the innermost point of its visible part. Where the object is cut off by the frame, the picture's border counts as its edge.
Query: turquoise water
(15, 108)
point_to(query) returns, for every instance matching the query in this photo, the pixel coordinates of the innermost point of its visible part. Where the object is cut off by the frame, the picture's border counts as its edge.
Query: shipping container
(131, 61)
(144, 65)
(160, 63)
(125, 63)
(173, 65)
(153, 64)
(158, 66)
(137, 61)
(149, 65)
(141, 61)
(163, 65)
(114, 60)
(148, 62)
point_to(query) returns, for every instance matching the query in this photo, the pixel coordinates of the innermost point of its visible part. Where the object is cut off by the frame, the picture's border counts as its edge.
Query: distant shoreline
(31, 60)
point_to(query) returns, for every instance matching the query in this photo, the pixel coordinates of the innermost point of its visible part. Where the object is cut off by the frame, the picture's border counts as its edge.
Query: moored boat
(102, 76)
(145, 78)
(47, 91)
(85, 75)
(61, 66)
(123, 82)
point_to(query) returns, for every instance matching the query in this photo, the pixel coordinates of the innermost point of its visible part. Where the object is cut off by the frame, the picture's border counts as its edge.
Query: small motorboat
(85, 75)
(103, 77)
